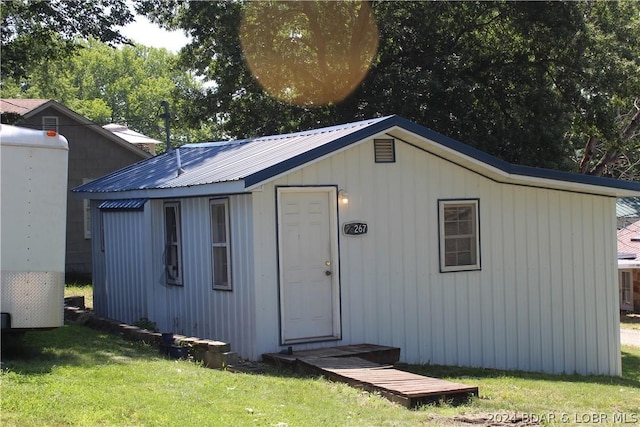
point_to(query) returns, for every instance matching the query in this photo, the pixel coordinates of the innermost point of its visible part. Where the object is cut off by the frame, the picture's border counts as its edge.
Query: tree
(607, 137)
(36, 31)
(527, 82)
(107, 85)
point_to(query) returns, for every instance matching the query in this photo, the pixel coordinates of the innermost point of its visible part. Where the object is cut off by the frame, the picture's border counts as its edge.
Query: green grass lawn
(85, 291)
(78, 376)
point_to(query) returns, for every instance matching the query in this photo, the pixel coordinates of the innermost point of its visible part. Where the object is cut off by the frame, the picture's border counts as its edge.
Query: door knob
(327, 273)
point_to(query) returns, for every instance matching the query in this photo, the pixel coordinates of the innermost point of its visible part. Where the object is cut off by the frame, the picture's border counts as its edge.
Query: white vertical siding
(267, 323)
(195, 308)
(544, 299)
(119, 273)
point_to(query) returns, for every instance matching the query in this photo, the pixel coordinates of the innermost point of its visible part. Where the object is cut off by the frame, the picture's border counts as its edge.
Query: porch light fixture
(343, 197)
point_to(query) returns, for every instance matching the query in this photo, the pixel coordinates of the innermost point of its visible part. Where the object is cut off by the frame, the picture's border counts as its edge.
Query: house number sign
(355, 228)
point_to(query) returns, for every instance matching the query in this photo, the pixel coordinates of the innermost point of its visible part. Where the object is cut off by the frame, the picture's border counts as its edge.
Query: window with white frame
(459, 235)
(220, 244)
(173, 252)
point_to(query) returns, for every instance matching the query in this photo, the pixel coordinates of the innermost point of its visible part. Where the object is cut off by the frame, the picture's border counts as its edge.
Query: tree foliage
(529, 82)
(107, 85)
(37, 31)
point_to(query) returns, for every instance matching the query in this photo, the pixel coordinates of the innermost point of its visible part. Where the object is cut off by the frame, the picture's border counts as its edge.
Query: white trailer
(33, 205)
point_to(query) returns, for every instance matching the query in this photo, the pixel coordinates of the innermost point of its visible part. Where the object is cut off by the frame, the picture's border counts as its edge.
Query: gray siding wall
(544, 300)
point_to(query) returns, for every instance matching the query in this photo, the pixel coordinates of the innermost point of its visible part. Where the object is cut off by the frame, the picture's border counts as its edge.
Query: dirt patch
(497, 419)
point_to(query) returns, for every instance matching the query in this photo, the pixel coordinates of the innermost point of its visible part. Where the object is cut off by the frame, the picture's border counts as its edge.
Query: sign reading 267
(355, 228)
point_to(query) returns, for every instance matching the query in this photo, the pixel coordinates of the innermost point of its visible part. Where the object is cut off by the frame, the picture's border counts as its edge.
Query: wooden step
(372, 352)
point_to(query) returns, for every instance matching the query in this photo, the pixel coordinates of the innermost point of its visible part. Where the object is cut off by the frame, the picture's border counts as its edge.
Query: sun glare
(309, 53)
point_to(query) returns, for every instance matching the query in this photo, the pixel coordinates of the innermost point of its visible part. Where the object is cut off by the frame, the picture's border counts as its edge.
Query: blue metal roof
(257, 160)
(214, 162)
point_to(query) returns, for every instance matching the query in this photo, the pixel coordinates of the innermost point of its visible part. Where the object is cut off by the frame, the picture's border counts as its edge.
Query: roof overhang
(503, 172)
(215, 189)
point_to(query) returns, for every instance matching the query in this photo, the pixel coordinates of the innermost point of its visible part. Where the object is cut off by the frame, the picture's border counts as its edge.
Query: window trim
(227, 244)
(475, 204)
(178, 279)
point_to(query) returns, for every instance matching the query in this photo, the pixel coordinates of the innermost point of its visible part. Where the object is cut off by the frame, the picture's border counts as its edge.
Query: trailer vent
(384, 150)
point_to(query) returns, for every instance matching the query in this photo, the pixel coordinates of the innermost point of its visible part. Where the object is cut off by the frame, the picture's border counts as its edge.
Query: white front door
(308, 264)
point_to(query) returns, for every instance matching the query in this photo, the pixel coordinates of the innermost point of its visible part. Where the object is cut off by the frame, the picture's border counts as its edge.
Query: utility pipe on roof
(167, 118)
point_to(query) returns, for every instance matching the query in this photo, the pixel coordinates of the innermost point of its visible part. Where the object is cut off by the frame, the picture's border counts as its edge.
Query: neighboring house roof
(240, 166)
(628, 207)
(131, 136)
(20, 106)
(30, 107)
(629, 241)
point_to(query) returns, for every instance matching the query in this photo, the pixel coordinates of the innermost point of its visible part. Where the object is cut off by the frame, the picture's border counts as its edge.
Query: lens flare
(309, 53)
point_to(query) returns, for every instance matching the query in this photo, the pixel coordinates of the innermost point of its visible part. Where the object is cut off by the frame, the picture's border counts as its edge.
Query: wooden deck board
(403, 387)
(369, 367)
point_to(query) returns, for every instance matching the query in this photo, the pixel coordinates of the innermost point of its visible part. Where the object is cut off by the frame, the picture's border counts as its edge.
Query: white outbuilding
(380, 231)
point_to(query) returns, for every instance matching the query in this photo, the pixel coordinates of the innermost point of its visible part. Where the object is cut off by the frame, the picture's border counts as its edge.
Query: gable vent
(385, 151)
(50, 123)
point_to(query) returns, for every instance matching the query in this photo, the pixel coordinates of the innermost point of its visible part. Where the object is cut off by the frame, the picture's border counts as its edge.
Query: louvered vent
(50, 123)
(384, 150)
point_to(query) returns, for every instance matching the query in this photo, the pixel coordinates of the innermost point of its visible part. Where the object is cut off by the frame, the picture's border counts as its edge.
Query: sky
(144, 32)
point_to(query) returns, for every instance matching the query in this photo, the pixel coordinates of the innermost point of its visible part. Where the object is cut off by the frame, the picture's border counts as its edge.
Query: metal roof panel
(258, 160)
(221, 161)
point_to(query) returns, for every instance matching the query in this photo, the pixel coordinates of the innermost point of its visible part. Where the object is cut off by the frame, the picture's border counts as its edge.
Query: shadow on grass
(630, 373)
(39, 351)
(36, 353)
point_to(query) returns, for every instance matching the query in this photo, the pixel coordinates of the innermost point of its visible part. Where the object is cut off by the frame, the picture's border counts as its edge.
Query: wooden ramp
(345, 365)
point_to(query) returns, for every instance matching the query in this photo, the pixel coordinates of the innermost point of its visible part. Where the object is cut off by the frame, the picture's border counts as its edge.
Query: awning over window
(123, 205)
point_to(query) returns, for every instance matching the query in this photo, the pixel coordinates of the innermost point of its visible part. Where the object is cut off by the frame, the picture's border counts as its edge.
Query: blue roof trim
(451, 143)
(511, 168)
(123, 205)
